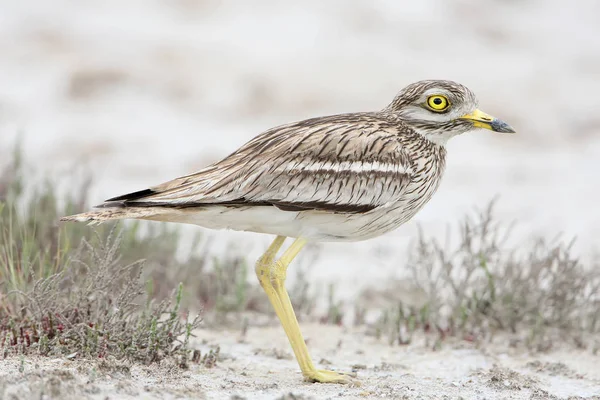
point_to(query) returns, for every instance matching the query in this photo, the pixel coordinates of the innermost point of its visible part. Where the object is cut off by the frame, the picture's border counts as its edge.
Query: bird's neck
(435, 137)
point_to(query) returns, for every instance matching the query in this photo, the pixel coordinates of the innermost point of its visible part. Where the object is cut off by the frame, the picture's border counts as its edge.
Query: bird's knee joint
(263, 270)
(278, 272)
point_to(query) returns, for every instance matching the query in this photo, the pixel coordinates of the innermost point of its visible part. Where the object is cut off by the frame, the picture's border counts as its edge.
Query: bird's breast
(428, 168)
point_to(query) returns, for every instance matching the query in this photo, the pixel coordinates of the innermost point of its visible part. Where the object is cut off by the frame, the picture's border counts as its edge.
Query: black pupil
(437, 101)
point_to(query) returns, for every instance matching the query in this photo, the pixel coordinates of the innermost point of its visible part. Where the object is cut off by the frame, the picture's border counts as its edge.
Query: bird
(345, 177)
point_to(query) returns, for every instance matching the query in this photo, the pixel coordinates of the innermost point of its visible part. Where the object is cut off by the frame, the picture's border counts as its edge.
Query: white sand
(261, 367)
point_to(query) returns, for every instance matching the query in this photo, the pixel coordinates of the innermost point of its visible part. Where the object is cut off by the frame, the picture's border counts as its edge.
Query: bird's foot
(324, 376)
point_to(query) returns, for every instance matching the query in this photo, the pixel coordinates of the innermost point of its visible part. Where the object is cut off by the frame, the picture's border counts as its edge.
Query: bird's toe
(325, 376)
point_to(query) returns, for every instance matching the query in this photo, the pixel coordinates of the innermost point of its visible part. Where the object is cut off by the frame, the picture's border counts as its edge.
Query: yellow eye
(438, 103)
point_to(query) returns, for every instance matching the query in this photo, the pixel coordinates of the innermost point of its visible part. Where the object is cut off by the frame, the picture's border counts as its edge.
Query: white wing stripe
(350, 166)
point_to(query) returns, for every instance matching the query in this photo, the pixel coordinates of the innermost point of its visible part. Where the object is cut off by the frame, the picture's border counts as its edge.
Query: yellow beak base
(486, 121)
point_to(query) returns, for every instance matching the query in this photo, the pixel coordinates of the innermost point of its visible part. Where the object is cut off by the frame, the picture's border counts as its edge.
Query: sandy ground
(261, 367)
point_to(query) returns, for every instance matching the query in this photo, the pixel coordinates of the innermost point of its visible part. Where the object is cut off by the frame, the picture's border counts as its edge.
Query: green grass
(68, 290)
(479, 285)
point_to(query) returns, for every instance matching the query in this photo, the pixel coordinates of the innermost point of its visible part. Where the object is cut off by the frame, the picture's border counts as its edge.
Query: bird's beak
(483, 120)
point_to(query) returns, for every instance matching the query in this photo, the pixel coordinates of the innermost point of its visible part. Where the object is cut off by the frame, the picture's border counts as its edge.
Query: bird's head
(440, 110)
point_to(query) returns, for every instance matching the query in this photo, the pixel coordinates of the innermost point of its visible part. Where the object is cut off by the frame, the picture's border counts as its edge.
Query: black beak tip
(501, 126)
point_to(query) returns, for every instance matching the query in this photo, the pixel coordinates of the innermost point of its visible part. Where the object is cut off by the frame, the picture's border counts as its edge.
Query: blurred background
(138, 92)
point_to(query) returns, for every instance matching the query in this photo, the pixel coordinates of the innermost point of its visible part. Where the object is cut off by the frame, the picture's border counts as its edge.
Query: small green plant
(70, 290)
(482, 285)
(91, 308)
(399, 324)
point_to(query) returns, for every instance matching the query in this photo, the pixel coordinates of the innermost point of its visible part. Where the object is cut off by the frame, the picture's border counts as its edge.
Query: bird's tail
(112, 213)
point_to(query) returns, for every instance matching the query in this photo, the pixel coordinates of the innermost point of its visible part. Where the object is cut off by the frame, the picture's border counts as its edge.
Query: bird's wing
(345, 163)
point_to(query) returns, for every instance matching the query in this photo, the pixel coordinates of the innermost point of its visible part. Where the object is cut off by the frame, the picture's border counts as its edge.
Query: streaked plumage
(341, 177)
(338, 178)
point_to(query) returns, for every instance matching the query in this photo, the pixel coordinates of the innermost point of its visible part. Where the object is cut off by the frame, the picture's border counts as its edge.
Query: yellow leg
(272, 277)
